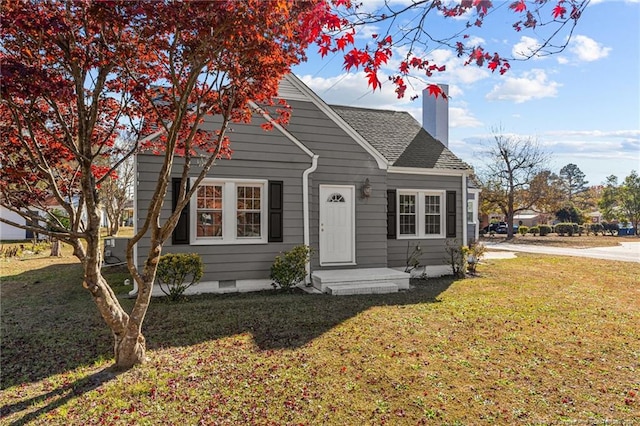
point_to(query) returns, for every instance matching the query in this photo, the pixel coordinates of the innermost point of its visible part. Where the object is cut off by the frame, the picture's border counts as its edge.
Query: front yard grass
(533, 340)
(555, 240)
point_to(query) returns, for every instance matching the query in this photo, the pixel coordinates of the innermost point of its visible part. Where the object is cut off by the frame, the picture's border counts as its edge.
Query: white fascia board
(382, 162)
(282, 130)
(427, 172)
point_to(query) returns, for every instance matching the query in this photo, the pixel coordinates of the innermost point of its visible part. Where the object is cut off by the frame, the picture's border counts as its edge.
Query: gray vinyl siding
(433, 249)
(257, 154)
(342, 161)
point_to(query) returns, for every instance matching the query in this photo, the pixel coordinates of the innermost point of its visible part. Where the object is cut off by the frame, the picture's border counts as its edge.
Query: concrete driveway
(625, 252)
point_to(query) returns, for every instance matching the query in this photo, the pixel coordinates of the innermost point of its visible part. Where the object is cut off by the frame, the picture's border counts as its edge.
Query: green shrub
(535, 230)
(596, 228)
(545, 229)
(611, 228)
(457, 257)
(566, 229)
(474, 253)
(289, 268)
(523, 230)
(173, 271)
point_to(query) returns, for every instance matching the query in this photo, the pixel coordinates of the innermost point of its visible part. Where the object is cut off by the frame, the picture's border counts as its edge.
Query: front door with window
(337, 224)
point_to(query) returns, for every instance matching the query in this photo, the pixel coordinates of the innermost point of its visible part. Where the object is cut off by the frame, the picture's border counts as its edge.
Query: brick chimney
(435, 115)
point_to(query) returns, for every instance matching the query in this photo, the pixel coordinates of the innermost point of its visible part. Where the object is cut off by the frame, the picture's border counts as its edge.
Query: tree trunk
(55, 247)
(129, 343)
(129, 350)
(114, 228)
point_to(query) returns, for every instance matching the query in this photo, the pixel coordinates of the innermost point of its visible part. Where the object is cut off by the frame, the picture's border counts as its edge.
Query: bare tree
(116, 191)
(512, 164)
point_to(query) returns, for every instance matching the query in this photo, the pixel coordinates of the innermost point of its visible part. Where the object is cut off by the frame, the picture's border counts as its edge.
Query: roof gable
(292, 88)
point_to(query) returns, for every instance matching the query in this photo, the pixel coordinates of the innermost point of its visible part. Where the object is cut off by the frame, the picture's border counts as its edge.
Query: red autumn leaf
(381, 57)
(352, 59)
(372, 78)
(559, 11)
(518, 6)
(435, 90)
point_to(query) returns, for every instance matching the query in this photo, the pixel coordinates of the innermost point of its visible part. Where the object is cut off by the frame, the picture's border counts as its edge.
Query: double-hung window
(421, 214)
(472, 207)
(229, 212)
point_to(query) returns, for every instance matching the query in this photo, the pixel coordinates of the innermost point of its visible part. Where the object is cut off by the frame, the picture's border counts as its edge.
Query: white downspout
(464, 210)
(305, 210)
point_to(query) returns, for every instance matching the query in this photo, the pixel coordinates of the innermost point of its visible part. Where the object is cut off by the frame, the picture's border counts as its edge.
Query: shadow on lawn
(59, 396)
(50, 325)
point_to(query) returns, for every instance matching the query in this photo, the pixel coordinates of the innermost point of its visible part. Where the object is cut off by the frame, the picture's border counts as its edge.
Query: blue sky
(582, 105)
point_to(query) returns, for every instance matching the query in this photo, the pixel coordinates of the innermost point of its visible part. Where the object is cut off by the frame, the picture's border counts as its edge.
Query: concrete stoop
(360, 281)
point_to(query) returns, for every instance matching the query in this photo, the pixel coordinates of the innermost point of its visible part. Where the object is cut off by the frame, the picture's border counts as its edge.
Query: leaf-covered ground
(534, 340)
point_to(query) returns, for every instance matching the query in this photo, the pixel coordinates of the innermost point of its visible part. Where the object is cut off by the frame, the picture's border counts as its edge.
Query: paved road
(626, 252)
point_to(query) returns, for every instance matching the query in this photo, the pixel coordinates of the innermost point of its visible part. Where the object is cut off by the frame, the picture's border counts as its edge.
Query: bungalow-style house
(361, 187)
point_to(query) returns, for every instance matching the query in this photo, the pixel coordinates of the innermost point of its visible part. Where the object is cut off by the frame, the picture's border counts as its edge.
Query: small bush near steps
(174, 271)
(289, 269)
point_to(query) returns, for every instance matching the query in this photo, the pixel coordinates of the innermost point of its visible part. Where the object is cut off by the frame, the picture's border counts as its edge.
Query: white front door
(337, 224)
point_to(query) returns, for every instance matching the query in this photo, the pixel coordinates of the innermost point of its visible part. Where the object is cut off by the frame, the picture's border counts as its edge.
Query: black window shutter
(180, 234)
(275, 211)
(392, 233)
(451, 214)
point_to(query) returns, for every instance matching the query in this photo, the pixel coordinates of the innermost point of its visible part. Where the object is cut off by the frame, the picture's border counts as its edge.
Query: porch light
(366, 189)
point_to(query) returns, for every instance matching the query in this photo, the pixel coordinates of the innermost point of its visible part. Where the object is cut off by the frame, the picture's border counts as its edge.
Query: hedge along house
(359, 186)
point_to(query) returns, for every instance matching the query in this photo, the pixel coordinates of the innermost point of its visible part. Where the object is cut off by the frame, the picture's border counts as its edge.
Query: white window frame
(229, 213)
(420, 194)
(472, 208)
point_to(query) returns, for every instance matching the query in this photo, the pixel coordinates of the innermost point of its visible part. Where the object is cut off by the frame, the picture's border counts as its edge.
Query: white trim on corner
(382, 162)
(431, 172)
(464, 197)
(134, 290)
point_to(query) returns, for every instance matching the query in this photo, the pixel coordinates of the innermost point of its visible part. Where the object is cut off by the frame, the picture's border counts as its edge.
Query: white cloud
(533, 84)
(525, 48)
(352, 89)
(474, 41)
(598, 153)
(562, 60)
(587, 49)
(462, 117)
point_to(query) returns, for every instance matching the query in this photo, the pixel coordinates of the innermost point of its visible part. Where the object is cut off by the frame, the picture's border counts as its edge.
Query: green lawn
(534, 340)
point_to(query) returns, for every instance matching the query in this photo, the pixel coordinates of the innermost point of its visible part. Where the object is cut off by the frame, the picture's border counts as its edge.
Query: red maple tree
(78, 74)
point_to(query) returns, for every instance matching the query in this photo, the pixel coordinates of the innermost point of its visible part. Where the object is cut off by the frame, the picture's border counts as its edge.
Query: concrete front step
(360, 281)
(347, 289)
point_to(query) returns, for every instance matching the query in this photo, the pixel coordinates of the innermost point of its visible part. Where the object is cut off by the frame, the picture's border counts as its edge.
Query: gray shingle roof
(399, 138)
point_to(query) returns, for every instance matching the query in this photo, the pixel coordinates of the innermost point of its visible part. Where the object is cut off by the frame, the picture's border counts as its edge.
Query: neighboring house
(528, 218)
(595, 217)
(360, 186)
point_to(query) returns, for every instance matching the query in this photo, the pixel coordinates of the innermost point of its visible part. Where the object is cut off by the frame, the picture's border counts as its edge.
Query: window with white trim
(229, 212)
(472, 207)
(421, 214)
(471, 211)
